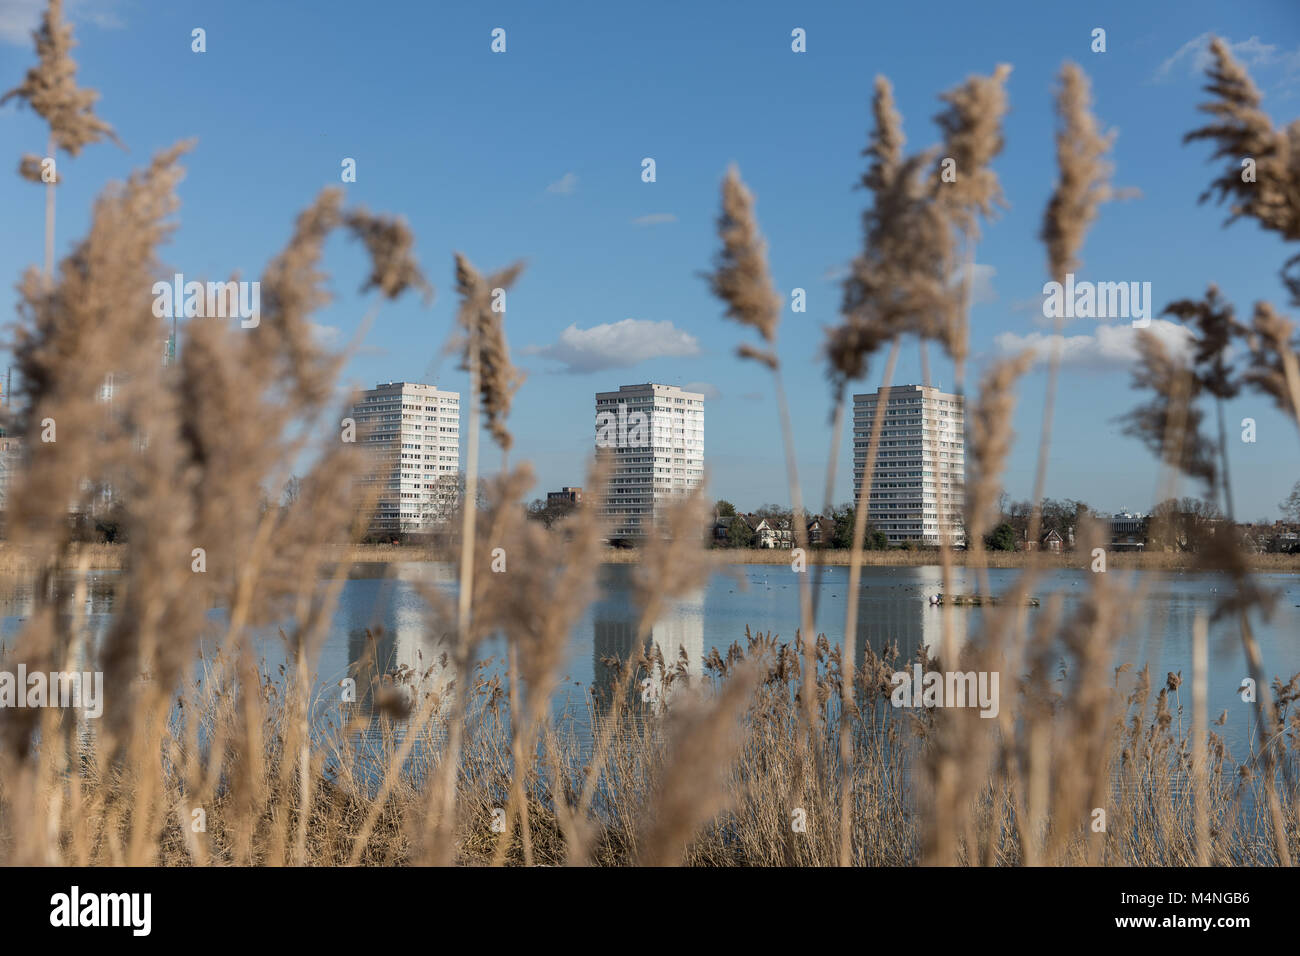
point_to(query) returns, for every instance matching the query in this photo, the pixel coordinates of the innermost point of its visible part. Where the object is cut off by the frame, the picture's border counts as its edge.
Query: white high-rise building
(920, 472)
(412, 432)
(655, 434)
(11, 457)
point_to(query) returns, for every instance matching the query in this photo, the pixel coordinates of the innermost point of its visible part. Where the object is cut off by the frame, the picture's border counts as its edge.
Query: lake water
(893, 609)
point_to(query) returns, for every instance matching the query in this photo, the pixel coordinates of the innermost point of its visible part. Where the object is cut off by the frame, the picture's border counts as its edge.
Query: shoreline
(112, 557)
(1115, 560)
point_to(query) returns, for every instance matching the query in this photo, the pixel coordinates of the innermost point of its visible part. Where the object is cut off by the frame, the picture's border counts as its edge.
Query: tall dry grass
(772, 752)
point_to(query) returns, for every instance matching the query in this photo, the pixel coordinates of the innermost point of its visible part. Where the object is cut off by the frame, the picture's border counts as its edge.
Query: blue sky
(536, 154)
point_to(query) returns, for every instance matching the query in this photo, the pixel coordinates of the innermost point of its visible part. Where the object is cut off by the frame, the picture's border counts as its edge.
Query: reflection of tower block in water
(679, 637)
(910, 623)
(613, 642)
(396, 668)
(675, 644)
(932, 627)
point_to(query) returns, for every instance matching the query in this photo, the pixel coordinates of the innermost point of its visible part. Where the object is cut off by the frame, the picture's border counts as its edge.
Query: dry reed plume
(50, 87)
(481, 320)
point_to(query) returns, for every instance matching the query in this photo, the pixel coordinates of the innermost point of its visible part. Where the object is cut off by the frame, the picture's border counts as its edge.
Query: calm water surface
(384, 603)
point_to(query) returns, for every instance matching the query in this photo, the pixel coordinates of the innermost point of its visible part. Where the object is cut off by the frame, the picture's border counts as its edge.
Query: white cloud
(710, 391)
(1111, 346)
(654, 219)
(1252, 53)
(617, 345)
(981, 282)
(325, 336)
(18, 18)
(566, 185)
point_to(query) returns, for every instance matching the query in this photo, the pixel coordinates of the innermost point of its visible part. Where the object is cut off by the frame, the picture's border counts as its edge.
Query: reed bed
(840, 557)
(15, 561)
(789, 750)
(112, 557)
(1149, 821)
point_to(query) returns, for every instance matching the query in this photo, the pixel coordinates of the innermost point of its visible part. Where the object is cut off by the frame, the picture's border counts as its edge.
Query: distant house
(819, 530)
(768, 532)
(1128, 531)
(1051, 541)
(565, 496)
(764, 533)
(782, 534)
(721, 524)
(1281, 537)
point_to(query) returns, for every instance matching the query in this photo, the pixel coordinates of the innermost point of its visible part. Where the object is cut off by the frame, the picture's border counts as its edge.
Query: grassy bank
(110, 557)
(17, 560)
(1124, 560)
(1120, 560)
